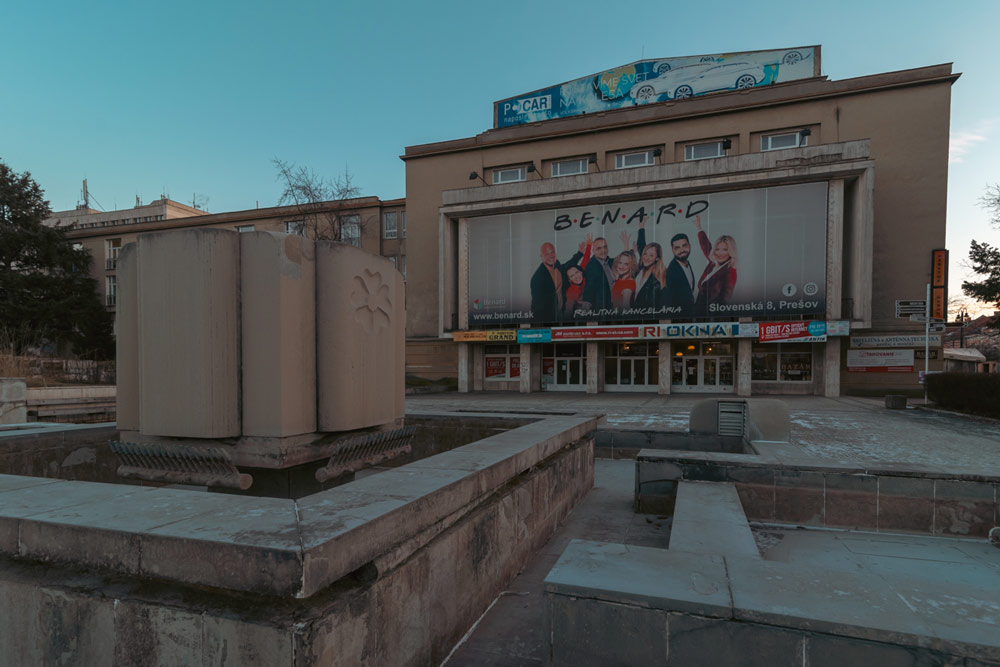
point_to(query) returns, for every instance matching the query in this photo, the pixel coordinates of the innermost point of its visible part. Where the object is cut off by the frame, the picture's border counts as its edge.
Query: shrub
(976, 393)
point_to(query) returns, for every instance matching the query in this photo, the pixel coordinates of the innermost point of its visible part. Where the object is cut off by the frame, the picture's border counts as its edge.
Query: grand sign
(759, 252)
(659, 80)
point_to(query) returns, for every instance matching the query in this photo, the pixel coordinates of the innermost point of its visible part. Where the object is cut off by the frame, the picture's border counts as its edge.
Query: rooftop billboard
(759, 252)
(659, 80)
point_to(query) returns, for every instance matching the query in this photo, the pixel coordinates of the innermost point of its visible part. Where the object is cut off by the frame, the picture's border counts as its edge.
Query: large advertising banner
(759, 252)
(659, 80)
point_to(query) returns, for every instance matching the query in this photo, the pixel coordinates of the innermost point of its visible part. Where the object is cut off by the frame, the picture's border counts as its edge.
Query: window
(112, 248)
(781, 362)
(296, 227)
(630, 160)
(704, 151)
(502, 362)
(389, 225)
(111, 290)
(350, 230)
(774, 142)
(244, 228)
(510, 175)
(569, 167)
(402, 216)
(402, 265)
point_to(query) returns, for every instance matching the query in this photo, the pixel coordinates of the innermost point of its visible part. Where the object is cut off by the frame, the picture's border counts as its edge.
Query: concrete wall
(389, 569)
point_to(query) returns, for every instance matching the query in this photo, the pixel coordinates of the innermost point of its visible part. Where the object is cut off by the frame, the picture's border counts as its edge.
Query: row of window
(647, 158)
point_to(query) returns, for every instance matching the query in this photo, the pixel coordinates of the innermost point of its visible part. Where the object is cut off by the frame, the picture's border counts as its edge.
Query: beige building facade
(840, 184)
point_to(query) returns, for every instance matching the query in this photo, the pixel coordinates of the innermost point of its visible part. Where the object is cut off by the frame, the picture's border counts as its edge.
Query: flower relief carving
(370, 298)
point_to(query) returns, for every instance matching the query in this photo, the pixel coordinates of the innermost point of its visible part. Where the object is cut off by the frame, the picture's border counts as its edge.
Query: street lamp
(963, 319)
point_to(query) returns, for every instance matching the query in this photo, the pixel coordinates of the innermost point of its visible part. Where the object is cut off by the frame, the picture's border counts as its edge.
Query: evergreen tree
(46, 292)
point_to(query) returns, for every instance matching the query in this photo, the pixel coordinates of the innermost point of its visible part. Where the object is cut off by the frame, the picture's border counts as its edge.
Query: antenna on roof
(86, 195)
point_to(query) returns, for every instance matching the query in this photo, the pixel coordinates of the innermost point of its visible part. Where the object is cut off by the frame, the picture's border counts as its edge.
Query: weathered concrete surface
(13, 401)
(127, 340)
(185, 572)
(709, 519)
(360, 335)
(64, 451)
(188, 310)
(278, 334)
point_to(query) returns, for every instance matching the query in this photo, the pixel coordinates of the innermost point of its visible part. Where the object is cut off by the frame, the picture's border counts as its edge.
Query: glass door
(564, 367)
(631, 366)
(702, 367)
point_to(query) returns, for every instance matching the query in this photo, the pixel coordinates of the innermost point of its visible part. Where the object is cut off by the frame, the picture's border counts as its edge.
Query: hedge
(976, 393)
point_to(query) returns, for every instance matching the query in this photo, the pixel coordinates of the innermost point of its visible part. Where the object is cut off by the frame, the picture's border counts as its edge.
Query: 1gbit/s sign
(772, 332)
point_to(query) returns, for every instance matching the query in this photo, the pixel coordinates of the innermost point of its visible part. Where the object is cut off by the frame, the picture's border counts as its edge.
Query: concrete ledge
(709, 519)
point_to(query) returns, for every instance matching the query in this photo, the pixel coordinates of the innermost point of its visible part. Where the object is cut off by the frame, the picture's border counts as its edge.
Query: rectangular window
(402, 217)
(112, 248)
(111, 290)
(631, 160)
(569, 167)
(781, 362)
(389, 225)
(775, 142)
(296, 227)
(244, 228)
(510, 175)
(502, 362)
(704, 151)
(350, 230)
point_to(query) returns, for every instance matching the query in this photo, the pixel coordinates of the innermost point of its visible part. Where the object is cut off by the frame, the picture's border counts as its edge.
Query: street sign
(936, 328)
(904, 308)
(923, 318)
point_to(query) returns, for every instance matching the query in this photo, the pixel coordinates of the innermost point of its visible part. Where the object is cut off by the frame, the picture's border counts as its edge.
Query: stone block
(799, 497)
(127, 341)
(586, 632)
(147, 634)
(895, 401)
(278, 314)
(188, 302)
(360, 318)
(827, 651)
(964, 508)
(755, 487)
(707, 641)
(769, 420)
(231, 642)
(708, 518)
(852, 501)
(905, 504)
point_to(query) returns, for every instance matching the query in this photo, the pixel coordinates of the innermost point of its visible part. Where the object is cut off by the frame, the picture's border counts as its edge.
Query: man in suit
(547, 287)
(597, 291)
(680, 277)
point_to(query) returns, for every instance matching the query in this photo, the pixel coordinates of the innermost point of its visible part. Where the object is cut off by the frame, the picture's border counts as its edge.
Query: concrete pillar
(13, 401)
(464, 368)
(278, 296)
(478, 366)
(463, 274)
(127, 341)
(862, 241)
(743, 366)
(188, 302)
(665, 360)
(834, 248)
(595, 378)
(529, 369)
(831, 367)
(360, 338)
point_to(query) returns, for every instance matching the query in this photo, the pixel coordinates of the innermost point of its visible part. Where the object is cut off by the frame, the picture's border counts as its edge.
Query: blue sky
(190, 98)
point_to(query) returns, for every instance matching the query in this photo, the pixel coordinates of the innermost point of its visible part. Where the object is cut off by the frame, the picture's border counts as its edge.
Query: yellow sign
(501, 336)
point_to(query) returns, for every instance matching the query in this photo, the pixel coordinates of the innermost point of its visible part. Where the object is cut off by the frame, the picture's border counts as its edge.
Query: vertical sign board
(939, 283)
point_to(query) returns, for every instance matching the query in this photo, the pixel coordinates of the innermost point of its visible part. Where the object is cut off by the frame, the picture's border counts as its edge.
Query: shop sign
(907, 340)
(880, 361)
(799, 332)
(709, 330)
(501, 336)
(598, 333)
(838, 328)
(534, 336)
(496, 367)
(748, 330)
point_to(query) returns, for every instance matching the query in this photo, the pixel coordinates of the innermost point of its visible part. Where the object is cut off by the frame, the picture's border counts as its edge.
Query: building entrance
(631, 366)
(564, 367)
(702, 366)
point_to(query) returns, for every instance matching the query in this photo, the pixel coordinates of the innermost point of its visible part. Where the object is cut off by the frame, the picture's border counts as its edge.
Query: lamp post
(963, 319)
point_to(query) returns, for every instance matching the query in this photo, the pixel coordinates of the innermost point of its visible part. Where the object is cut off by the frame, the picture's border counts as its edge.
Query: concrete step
(709, 519)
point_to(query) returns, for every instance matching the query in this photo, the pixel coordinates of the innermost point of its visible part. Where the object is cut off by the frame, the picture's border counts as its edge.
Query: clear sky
(195, 99)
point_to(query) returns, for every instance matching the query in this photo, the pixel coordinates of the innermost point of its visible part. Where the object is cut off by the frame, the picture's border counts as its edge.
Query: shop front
(702, 366)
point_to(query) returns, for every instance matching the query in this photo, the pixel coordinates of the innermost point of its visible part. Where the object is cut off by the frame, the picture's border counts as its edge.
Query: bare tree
(991, 202)
(324, 205)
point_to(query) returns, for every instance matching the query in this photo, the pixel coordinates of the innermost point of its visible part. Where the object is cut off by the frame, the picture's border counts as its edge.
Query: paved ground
(846, 428)
(850, 429)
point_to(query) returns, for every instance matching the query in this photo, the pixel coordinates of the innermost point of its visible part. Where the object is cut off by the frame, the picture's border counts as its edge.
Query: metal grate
(178, 464)
(367, 450)
(732, 418)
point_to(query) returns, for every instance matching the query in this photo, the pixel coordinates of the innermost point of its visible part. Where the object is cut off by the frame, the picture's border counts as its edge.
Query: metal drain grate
(732, 418)
(178, 464)
(367, 450)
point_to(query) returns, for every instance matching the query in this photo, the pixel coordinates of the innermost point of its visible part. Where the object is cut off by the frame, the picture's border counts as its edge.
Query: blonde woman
(719, 278)
(623, 289)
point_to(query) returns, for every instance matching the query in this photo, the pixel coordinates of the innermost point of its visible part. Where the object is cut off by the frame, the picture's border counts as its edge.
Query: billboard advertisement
(758, 252)
(659, 80)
